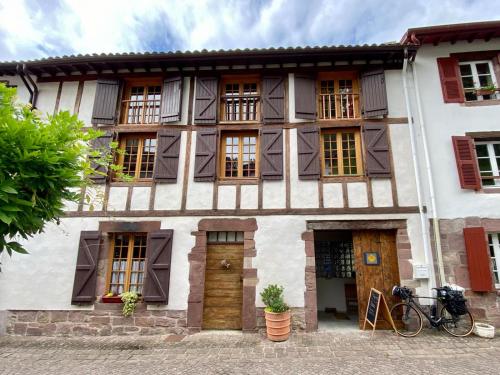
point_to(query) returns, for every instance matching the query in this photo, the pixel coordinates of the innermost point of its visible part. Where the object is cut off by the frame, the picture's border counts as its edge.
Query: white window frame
(475, 76)
(495, 168)
(494, 246)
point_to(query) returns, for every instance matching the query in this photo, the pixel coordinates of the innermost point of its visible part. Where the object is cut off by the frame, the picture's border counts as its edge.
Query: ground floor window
(494, 247)
(128, 258)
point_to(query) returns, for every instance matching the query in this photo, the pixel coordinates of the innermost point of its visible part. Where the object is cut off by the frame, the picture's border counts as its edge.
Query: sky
(33, 29)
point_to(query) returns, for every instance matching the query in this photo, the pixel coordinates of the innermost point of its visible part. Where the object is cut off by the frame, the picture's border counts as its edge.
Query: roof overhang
(387, 55)
(452, 33)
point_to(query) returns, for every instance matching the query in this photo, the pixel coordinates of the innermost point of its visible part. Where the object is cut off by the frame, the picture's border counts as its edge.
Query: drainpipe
(23, 73)
(423, 218)
(432, 195)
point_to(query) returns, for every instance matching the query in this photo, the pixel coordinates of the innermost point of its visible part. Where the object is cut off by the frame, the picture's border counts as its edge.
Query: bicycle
(454, 316)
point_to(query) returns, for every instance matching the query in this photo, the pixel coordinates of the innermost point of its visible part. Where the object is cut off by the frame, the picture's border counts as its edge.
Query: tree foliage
(43, 163)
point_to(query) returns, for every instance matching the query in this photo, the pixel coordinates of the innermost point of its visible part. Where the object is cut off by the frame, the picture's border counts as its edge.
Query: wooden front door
(223, 297)
(383, 276)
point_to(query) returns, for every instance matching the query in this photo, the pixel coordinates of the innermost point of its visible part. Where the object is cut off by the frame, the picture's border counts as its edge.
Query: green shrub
(272, 296)
(129, 300)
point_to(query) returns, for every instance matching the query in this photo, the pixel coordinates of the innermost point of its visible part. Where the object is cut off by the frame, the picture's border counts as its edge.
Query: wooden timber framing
(248, 212)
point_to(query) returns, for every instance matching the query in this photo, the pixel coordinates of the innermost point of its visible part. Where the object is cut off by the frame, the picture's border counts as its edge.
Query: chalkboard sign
(375, 301)
(373, 306)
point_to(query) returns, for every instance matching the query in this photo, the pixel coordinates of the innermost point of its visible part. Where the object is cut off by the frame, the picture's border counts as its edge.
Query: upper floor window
(142, 103)
(338, 96)
(240, 100)
(488, 158)
(494, 247)
(478, 80)
(128, 258)
(341, 150)
(138, 155)
(239, 155)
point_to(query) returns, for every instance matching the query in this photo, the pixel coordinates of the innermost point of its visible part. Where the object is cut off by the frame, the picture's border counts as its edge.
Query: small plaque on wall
(371, 258)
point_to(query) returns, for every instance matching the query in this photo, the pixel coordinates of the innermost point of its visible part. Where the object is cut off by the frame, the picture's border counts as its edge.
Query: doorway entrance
(348, 264)
(223, 295)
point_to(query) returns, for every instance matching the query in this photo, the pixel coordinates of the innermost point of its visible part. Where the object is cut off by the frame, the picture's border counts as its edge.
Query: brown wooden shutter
(377, 157)
(451, 84)
(496, 67)
(167, 155)
(271, 160)
(206, 100)
(478, 259)
(305, 97)
(465, 156)
(205, 160)
(158, 255)
(84, 285)
(273, 99)
(101, 144)
(308, 153)
(374, 96)
(171, 100)
(105, 102)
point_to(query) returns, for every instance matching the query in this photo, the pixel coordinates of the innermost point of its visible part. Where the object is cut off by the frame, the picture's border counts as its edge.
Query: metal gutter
(33, 90)
(422, 214)
(432, 195)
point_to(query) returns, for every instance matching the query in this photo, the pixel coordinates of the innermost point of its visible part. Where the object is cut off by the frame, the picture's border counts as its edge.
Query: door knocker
(225, 264)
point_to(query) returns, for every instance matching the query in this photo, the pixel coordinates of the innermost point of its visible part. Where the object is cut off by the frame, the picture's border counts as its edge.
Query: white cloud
(35, 28)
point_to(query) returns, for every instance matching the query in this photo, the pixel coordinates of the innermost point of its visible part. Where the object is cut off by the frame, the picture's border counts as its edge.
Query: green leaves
(272, 296)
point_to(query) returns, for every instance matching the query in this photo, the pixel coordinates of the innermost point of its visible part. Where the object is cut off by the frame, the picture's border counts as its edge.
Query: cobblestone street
(237, 353)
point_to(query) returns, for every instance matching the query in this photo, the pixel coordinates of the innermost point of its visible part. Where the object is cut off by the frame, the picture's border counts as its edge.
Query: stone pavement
(237, 353)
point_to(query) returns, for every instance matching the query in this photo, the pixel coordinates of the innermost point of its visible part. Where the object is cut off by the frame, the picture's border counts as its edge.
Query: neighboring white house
(456, 101)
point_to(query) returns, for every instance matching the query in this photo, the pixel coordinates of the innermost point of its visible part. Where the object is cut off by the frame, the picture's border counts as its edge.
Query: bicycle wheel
(407, 319)
(457, 325)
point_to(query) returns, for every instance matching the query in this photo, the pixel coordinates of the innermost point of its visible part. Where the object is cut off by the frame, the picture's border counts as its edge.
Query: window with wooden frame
(494, 248)
(338, 96)
(240, 99)
(239, 155)
(127, 266)
(137, 155)
(142, 102)
(478, 80)
(488, 159)
(341, 152)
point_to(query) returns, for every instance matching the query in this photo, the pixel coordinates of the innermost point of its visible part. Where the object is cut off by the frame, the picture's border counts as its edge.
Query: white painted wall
(87, 102)
(249, 197)
(303, 193)
(357, 195)
(23, 94)
(226, 197)
(333, 196)
(44, 278)
(169, 196)
(331, 293)
(117, 199)
(199, 194)
(442, 121)
(47, 95)
(140, 198)
(395, 97)
(382, 192)
(68, 96)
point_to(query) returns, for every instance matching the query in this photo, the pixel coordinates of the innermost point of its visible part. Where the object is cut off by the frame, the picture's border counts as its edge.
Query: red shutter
(450, 80)
(465, 155)
(478, 260)
(158, 255)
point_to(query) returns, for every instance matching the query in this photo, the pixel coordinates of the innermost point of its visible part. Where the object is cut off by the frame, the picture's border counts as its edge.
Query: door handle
(225, 264)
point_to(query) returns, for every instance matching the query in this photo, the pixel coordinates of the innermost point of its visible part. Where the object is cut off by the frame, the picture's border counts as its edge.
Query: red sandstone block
(58, 316)
(144, 322)
(19, 328)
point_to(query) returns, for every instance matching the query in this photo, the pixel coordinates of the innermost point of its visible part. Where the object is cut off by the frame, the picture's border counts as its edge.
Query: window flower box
(111, 299)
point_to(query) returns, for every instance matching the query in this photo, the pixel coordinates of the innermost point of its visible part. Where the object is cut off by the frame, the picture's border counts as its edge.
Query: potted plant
(277, 313)
(129, 300)
(486, 90)
(111, 298)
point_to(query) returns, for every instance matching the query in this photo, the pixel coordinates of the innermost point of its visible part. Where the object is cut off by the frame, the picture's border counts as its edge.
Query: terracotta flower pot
(278, 325)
